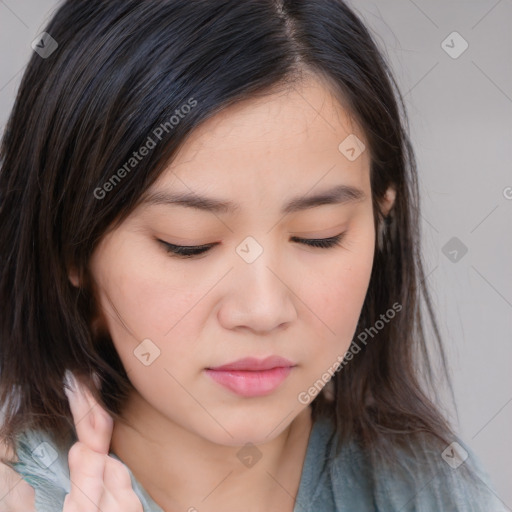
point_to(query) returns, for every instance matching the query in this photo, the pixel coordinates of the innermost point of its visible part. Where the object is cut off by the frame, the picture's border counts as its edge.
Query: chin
(251, 429)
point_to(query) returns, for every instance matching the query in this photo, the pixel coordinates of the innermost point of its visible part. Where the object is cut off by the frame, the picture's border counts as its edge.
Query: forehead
(286, 140)
(303, 113)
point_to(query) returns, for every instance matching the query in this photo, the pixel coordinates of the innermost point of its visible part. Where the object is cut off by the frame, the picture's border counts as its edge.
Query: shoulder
(16, 495)
(40, 464)
(419, 476)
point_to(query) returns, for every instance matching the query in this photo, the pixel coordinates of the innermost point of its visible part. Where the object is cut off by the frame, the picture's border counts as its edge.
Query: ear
(387, 202)
(73, 276)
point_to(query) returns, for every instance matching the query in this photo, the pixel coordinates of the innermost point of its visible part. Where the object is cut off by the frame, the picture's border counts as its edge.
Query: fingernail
(69, 382)
(96, 379)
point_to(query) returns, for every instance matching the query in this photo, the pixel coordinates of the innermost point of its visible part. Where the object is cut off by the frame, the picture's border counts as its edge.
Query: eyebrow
(340, 194)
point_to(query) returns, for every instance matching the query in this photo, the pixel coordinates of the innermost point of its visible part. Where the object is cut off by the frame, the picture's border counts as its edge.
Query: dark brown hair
(121, 69)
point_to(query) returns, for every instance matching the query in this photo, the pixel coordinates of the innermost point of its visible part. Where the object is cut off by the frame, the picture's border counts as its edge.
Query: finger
(127, 502)
(69, 505)
(116, 476)
(93, 424)
(115, 494)
(119, 493)
(86, 469)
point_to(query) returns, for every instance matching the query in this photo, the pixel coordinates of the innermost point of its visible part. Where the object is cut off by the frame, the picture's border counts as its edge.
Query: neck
(181, 470)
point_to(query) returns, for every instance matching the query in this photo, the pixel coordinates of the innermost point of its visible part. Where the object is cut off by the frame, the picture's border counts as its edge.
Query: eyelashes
(189, 251)
(186, 251)
(322, 243)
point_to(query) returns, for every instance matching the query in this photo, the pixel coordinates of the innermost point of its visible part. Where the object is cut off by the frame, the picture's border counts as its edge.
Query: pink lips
(252, 377)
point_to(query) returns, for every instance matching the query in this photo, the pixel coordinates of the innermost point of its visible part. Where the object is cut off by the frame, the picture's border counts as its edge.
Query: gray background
(460, 114)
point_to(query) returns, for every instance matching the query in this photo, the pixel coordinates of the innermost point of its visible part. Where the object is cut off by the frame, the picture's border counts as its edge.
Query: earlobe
(73, 277)
(386, 221)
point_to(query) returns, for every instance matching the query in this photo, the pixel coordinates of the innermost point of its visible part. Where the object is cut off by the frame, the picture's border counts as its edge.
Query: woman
(210, 218)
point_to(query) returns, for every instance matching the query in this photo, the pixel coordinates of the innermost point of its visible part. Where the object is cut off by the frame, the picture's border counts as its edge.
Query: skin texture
(183, 430)
(16, 495)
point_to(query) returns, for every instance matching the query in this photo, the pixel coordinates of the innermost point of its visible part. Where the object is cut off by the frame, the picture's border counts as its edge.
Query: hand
(98, 481)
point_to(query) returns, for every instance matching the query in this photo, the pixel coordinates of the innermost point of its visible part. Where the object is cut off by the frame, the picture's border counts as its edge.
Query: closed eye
(189, 251)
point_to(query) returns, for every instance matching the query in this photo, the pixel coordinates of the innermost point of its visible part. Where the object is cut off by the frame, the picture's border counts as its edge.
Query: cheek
(143, 298)
(337, 296)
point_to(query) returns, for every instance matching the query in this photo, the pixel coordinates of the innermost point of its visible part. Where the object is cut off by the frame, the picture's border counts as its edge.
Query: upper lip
(254, 364)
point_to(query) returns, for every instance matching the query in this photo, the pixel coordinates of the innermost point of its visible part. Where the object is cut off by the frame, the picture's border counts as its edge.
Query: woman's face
(258, 291)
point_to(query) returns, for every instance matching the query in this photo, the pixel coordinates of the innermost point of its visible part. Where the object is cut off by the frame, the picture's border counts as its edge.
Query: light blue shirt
(347, 482)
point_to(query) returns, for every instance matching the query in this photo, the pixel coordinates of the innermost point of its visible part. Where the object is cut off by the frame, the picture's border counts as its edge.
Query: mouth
(251, 377)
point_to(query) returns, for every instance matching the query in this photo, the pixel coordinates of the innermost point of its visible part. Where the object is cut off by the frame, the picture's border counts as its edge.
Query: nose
(261, 296)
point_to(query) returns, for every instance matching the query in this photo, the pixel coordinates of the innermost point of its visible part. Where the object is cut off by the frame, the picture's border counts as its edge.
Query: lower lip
(250, 383)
